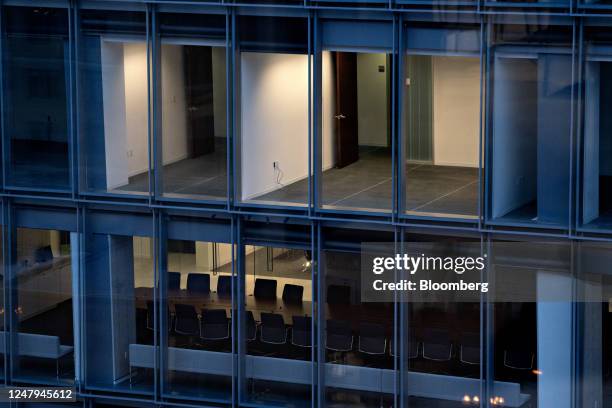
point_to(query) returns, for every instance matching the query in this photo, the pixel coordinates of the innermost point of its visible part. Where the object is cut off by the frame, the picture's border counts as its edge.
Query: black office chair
(338, 336)
(301, 332)
(293, 293)
(186, 320)
(198, 283)
(372, 338)
(265, 289)
(469, 349)
(273, 330)
(43, 254)
(519, 359)
(215, 324)
(174, 281)
(151, 316)
(412, 349)
(437, 345)
(338, 295)
(224, 286)
(251, 326)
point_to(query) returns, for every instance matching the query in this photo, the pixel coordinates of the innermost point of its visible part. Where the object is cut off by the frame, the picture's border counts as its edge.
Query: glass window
(114, 101)
(193, 106)
(441, 346)
(198, 316)
(36, 71)
(441, 120)
(43, 337)
(273, 75)
(597, 129)
(531, 331)
(119, 328)
(530, 122)
(357, 335)
(356, 135)
(594, 322)
(277, 326)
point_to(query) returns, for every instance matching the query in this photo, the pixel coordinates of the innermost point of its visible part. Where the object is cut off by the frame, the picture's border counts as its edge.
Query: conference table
(381, 313)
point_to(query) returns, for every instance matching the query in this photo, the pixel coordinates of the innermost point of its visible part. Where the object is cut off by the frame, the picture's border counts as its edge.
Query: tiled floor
(363, 185)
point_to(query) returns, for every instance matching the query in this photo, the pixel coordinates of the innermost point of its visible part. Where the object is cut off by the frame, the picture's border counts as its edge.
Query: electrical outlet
(275, 165)
(130, 153)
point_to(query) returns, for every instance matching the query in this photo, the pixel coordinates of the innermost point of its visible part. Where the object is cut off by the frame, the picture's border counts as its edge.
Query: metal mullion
(400, 153)
(73, 157)
(149, 105)
(481, 127)
(321, 320)
(155, 99)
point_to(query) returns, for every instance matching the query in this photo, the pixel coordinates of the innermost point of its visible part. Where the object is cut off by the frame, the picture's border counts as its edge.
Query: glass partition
(43, 338)
(119, 328)
(594, 297)
(193, 114)
(530, 122)
(597, 129)
(277, 328)
(198, 304)
(531, 311)
(356, 134)
(114, 101)
(441, 119)
(36, 72)
(358, 337)
(273, 70)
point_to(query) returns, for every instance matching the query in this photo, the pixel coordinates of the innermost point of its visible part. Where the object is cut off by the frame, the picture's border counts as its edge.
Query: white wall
(219, 92)
(113, 95)
(372, 99)
(124, 85)
(174, 104)
(329, 111)
(456, 107)
(274, 106)
(135, 72)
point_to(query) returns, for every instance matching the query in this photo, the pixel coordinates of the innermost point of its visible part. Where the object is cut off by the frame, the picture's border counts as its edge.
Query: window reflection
(531, 114)
(359, 348)
(36, 75)
(114, 101)
(44, 335)
(119, 330)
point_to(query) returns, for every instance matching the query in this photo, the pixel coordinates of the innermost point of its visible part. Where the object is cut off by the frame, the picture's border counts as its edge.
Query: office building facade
(187, 187)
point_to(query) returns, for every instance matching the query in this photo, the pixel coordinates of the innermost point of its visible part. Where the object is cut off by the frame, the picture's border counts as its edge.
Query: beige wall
(456, 100)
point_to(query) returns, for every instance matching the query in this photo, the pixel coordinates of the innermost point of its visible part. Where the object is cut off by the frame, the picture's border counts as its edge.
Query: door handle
(340, 116)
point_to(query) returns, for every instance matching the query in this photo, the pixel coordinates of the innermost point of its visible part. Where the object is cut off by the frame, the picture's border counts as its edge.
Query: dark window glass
(36, 71)
(530, 123)
(43, 339)
(596, 162)
(119, 326)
